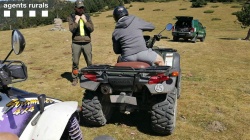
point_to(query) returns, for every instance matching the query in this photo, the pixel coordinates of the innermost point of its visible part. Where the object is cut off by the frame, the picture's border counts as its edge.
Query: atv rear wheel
(96, 108)
(163, 114)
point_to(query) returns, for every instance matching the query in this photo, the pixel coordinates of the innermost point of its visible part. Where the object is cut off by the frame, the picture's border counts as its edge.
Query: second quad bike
(131, 86)
(33, 116)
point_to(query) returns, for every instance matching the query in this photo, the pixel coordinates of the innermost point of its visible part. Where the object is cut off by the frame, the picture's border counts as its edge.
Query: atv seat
(133, 64)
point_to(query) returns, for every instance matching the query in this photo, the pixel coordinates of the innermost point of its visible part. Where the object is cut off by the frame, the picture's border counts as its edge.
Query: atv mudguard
(52, 122)
(90, 85)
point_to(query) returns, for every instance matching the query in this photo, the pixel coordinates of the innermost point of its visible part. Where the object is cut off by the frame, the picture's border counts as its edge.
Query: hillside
(215, 100)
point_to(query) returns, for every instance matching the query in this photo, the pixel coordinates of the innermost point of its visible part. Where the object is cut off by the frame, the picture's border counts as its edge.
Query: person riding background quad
(128, 38)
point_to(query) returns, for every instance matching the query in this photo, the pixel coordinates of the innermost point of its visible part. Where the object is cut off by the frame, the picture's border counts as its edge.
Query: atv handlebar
(150, 42)
(12, 72)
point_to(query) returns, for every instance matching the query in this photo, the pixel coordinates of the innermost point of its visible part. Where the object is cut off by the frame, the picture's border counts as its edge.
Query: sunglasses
(80, 7)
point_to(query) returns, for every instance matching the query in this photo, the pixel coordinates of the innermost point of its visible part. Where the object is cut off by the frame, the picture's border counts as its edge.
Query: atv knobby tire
(92, 109)
(97, 108)
(163, 114)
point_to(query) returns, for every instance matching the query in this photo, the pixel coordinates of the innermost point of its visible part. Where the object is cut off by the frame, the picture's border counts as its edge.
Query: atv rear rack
(108, 68)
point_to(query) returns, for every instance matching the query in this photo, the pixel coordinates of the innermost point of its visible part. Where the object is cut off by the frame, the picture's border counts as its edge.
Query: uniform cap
(79, 3)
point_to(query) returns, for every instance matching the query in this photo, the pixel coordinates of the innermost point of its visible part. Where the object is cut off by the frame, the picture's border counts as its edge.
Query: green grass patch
(214, 6)
(209, 11)
(236, 6)
(183, 9)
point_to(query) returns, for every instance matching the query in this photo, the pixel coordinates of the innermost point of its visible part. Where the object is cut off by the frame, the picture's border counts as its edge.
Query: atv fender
(90, 85)
(166, 87)
(52, 122)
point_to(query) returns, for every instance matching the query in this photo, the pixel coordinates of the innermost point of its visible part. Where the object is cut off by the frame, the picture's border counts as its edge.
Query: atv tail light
(173, 28)
(158, 79)
(175, 74)
(192, 30)
(90, 76)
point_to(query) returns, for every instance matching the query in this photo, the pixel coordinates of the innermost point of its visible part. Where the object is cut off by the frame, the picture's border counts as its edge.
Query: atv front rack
(108, 68)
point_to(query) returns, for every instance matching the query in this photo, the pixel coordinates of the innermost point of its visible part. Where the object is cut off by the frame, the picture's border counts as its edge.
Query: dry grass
(215, 101)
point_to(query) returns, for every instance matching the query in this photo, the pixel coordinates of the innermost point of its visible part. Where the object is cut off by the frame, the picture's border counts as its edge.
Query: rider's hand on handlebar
(158, 37)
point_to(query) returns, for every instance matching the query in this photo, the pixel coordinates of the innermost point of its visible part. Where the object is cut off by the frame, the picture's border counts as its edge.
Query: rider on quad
(128, 38)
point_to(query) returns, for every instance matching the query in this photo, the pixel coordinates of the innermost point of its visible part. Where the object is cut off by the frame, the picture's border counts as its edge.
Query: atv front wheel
(96, 108)
(163, 114)
(72, 130)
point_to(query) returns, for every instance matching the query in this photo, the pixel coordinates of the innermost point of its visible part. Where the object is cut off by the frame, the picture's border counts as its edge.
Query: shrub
(215, 6)
(157, 10)
(208, 11)
(215, 19)
(183, 9)
(198, 3)
(234, 13)
(236, 6)
(140, 9)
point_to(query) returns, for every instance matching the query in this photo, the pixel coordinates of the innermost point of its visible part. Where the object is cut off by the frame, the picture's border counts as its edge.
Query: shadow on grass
(165, 37)
(67, 75)
(141, 120)
(230, 38)
(184, 41)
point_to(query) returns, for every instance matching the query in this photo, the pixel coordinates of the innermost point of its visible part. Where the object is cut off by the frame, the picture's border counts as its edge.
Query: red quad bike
(132, 86)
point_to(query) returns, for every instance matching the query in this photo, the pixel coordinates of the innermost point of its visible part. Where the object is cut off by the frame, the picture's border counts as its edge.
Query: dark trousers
(77, 48)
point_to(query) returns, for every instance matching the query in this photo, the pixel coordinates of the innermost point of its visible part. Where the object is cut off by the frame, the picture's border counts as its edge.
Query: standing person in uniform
(128, 38)
(81, 26)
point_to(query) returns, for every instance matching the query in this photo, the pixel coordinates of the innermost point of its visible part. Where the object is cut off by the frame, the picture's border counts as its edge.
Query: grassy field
(215, 100)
